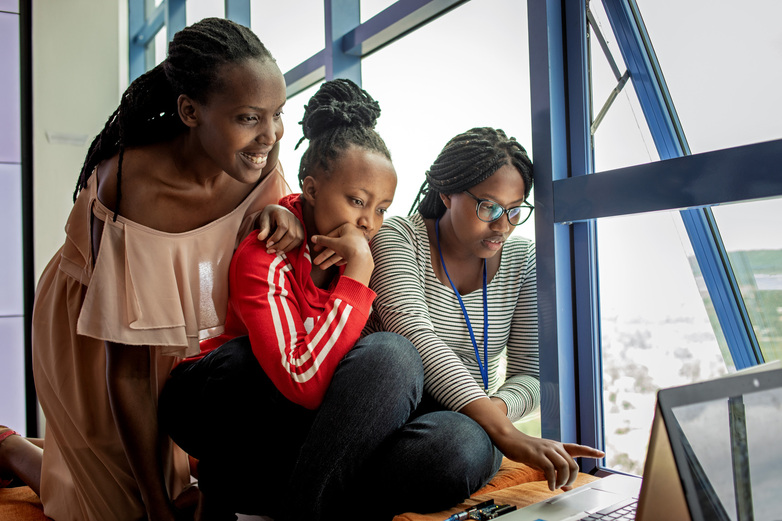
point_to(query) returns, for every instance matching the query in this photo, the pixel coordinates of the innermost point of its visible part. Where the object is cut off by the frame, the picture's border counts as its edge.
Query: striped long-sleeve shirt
(298, 332)
(411, 301)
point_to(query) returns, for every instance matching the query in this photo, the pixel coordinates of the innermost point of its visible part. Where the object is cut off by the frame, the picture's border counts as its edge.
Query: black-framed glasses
(488, 211)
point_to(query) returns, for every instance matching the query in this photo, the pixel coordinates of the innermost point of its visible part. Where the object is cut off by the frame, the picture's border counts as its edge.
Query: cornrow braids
(465, 161)
(148, 111)
(338, 115)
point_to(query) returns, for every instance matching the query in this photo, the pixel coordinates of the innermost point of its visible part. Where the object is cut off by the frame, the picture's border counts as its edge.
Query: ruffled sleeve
(162, 289)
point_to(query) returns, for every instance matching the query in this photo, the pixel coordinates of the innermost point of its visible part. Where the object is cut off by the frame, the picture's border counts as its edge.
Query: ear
(188, 110)
(309, 188)
(446, 199)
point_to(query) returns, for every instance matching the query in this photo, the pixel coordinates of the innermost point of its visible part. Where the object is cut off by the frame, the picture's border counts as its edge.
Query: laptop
(715, 454)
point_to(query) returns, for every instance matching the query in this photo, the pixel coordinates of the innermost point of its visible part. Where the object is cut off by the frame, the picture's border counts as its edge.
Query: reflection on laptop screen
(733, 448)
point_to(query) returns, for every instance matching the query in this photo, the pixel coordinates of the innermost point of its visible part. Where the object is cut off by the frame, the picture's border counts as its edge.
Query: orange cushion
(511, 473)
(20, 504)
(514, 484)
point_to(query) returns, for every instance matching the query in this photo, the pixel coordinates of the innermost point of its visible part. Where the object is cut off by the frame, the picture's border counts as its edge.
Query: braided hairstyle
(148, 111)
(465, 161)
(339, 115)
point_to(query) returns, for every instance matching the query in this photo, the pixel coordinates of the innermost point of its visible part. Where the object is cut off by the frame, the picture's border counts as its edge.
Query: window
(453, 84)
(292, 35)
(669, 251)
(751, 235)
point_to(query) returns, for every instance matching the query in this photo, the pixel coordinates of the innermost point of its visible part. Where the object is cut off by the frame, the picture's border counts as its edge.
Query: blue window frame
(571, 374)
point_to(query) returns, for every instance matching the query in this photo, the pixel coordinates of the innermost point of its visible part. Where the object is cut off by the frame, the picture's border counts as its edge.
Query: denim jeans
(363, 454)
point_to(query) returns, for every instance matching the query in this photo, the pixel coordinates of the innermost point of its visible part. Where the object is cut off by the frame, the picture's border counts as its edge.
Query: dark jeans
(359, 455)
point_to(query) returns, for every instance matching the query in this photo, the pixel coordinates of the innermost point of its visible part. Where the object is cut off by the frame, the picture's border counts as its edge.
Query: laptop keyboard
(624, 510)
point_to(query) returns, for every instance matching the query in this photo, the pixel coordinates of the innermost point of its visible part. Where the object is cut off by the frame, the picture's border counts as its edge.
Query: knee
(465, 455)
(444, 453)
(393, 356)
(391, 350)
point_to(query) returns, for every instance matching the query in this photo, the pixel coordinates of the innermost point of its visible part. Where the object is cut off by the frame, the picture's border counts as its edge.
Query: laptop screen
(727, 440)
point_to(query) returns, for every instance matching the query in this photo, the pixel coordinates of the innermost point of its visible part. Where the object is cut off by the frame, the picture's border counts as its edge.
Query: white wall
(79, 73)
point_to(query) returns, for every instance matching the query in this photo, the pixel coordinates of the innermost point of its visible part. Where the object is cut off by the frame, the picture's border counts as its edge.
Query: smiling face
(358, 190)
(238, 128)
(473, 236)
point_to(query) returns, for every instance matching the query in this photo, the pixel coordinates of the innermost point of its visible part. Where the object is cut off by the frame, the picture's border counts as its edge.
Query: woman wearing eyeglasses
(452, 279)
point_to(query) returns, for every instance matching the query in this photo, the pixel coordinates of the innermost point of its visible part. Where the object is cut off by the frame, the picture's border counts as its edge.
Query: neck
(453, 251)
(190, 162)
(464, 268)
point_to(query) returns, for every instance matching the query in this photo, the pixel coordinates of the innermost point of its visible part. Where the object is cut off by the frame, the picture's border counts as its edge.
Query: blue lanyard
(483, 367)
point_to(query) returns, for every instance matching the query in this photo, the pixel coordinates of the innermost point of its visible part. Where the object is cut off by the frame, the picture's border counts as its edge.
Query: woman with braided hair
(315, 403)
(181, 173)
(452, 280)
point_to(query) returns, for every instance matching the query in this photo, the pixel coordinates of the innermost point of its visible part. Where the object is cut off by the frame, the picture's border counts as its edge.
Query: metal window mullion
(238, 11)
(341, 17)
(397, 20)
(556, 314)
(176, 17)
(583, 257)
(137, 24)
(670, 141)
(723, 287)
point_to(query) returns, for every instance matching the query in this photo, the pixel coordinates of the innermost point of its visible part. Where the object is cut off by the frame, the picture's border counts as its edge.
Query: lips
(494, 243)
(256, 159)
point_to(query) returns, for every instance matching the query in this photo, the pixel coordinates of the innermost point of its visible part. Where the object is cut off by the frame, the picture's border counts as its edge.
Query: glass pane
(292, 114)
(449, 85)
(11, 297)
(723, 66)
(750, 232)
(292, 35)
(10, 6)
(655, 330)
(12, 406)
(370, 8)
(10, 133)
(160, 46)
(195, 11)
(622, 137)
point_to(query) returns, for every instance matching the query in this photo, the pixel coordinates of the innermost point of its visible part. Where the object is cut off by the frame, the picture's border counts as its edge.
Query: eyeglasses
(488, 211)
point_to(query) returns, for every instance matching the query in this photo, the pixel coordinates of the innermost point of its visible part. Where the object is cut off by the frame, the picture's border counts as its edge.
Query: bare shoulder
(141, 169)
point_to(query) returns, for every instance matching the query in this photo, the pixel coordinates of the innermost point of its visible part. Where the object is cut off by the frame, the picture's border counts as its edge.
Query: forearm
(135, 413)
(360, 270)
(492, 418)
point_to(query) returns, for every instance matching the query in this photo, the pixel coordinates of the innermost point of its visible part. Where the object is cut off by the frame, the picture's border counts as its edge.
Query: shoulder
(404, 229)
(106, 177)
(140, 170)
(520, 248)
(251, 255)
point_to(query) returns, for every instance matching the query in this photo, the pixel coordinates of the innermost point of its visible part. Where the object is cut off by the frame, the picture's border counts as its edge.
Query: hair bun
(339, 103)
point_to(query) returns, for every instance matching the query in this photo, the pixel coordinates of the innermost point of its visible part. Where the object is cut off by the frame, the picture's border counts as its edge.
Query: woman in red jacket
(305, 402)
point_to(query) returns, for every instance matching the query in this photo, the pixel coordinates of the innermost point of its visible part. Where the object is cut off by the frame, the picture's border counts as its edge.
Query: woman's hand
(555, 459)
(347, 245)
(287, 230)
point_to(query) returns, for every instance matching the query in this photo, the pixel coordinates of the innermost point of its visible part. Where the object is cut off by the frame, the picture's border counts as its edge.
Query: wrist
(360, 268)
